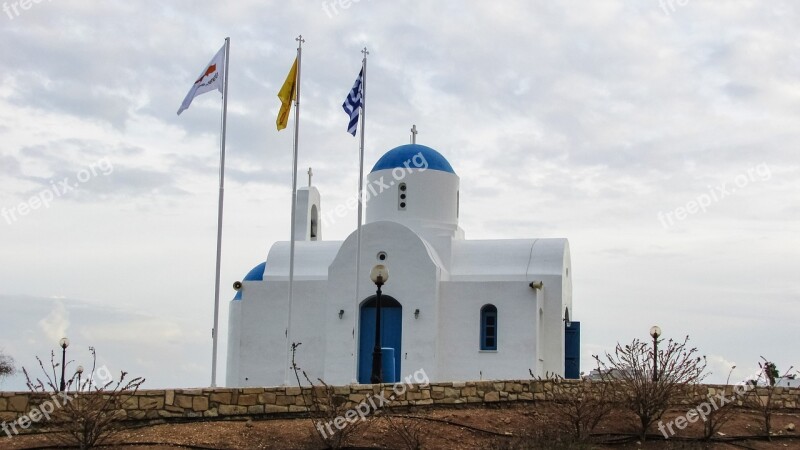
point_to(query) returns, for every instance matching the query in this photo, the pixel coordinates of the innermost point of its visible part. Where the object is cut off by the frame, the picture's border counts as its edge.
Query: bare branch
(765, 404)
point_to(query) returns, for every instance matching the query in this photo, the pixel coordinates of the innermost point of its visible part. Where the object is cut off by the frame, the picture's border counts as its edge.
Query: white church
(458, 309)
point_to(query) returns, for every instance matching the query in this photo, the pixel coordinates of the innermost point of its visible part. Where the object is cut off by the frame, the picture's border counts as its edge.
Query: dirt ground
(517, 426)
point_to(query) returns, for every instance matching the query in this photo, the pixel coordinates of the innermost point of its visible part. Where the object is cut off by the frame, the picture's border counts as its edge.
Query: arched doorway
(391, 336)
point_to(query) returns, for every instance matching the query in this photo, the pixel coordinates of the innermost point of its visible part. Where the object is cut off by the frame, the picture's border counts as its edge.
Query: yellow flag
(287, 93)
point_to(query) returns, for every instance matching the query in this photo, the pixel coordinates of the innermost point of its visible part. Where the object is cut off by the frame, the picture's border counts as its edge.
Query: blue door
(391, 337)
(572, 351)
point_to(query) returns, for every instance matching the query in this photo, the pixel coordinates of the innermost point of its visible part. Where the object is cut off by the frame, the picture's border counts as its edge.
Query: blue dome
(255, 274)
(404, 156)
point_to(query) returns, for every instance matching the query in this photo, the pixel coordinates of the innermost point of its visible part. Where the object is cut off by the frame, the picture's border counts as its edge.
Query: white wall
(413, 281)
(459, 327)
(431, 204)
(550, 260)
(308, 327)
(234, 343)
(262, 344)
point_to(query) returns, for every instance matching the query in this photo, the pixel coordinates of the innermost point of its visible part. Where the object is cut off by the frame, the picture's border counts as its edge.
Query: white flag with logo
(211, 78)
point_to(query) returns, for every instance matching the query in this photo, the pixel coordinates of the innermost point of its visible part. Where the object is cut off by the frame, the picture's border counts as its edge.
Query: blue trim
(255, 274)
(404, 157)
(391, 338)
(489, 327)
(572, 351)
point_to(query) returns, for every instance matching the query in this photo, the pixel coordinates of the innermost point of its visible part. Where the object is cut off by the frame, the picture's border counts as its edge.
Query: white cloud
(55, 325)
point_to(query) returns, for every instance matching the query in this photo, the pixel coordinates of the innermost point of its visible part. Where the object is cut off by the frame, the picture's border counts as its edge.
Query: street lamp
(378, 275)
(64, 343)
(655, 332)
(79, 371)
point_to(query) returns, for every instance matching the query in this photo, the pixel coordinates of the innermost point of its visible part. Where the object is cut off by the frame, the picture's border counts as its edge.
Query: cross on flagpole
(360, 181)
(413, 134)
(300, 41)
(215, 330)
(210, 79)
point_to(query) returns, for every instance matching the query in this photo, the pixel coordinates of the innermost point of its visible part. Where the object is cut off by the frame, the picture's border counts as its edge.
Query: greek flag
(352, 104)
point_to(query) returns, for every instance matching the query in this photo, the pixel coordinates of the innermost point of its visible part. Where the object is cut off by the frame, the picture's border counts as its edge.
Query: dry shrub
(579, 405)
(325, 408)
(88, 413)
(645, 393)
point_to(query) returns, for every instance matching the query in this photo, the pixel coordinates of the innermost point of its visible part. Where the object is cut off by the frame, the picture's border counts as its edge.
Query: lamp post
(379, 275)
(79, 371)
(64, 343)
(655, 332)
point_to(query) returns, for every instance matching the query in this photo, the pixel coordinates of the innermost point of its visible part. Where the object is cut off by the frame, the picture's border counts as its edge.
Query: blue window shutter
(488, 328)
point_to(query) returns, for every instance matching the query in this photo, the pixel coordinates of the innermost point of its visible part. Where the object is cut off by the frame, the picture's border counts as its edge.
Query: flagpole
(360, 181)
(300, 41)
(215, 330)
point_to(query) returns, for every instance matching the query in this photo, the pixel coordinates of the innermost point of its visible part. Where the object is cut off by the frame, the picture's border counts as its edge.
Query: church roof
(403, 157)
(505, 259)
(311, 260)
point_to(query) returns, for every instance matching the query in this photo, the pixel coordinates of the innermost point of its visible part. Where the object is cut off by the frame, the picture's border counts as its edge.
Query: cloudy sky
(660, 137)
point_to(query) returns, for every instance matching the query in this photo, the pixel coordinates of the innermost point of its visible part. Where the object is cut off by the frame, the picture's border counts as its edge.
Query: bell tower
(308, 223)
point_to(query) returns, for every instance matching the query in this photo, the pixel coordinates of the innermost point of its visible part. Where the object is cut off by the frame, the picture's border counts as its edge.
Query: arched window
(489, 327)
(313, 223)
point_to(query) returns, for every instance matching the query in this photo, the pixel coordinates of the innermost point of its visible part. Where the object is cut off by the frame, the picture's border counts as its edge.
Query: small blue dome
(255, 274)
(404, 156)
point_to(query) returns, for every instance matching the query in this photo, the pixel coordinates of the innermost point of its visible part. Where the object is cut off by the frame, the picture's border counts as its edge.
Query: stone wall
(226, 402)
